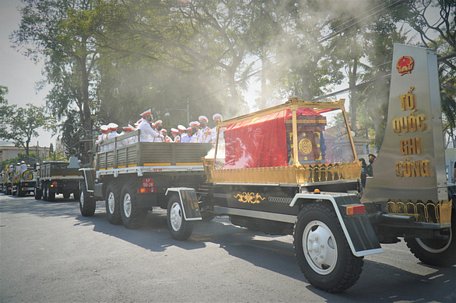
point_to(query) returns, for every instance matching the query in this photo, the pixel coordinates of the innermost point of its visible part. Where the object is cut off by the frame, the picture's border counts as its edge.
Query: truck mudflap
(189, 202)
(357, 228)
(89, 178)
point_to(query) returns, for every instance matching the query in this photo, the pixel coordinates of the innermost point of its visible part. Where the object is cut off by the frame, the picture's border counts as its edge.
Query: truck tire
(322, 251)
(87, 204)
(132, 215)
(45, 192)
(435, 252)
(179, 228)
(51, 194)
(112, 204)
(66, 196)
(76, 195)
(38, 194)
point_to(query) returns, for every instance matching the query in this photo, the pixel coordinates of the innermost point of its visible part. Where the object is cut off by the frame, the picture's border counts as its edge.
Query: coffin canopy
(265, 140)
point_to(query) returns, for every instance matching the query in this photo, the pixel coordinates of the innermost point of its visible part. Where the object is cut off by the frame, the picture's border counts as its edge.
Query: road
(50, 253)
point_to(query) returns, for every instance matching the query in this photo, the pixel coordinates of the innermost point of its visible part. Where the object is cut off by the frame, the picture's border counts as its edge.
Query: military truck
(132, 176)
(293, 169)
(24, 182)
(57, 177)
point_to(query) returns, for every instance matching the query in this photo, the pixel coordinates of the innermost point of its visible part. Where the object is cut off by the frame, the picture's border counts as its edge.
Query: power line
(332, 35)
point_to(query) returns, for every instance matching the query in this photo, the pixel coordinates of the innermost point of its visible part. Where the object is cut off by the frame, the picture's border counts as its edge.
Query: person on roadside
(370, 168)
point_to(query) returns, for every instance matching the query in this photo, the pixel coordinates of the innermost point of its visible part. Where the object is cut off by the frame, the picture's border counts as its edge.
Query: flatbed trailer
(317, 198)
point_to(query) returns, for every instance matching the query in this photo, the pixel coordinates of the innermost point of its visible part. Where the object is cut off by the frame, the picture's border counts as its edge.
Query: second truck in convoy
(293, 169)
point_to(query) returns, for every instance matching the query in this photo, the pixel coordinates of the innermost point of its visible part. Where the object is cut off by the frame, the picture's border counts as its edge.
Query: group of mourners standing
(196, 132)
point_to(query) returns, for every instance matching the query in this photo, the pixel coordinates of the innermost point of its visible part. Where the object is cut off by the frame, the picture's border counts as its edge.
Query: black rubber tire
(113, 213)
(87, 204)
(45, 192)
(347, 268)
(180, 231)
(66, 196)
(435, 252)
(38, 194)
(51, 194)
(76, 195)
(132, 215)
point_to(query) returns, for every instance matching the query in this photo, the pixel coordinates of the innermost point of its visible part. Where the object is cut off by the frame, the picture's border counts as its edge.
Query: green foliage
(22, 124)
(107, 61)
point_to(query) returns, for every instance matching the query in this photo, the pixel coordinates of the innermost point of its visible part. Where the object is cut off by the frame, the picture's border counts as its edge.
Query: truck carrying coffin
(293, 169)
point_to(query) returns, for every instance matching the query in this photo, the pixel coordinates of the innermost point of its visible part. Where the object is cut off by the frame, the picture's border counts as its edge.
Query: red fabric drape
(257, 142)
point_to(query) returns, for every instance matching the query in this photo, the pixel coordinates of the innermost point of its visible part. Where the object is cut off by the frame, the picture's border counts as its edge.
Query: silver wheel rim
(175, 216)
(111, 202)
(127, 205)
(434, 250)
(81, 199)
(320, 247)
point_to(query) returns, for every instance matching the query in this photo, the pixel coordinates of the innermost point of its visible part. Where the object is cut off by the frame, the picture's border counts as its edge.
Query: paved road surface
(49, 253)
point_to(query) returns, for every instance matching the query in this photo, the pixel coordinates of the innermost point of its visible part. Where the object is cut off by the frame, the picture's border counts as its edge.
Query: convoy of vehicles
(293, 169)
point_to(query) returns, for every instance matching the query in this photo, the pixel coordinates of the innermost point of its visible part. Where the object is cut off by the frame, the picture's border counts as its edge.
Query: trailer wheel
(38, 194)
(435, 252)
(178, 227)
(322, 251)
(112, 204)
(132, 215)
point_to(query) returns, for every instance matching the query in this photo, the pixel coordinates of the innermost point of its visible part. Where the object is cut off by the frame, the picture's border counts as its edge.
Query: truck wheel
(45, 192)
(178, 227)
(38, 194)
(76, 195)
(66, 196)
(132, 215)
(113, 205)
(435, 252)
(87, 204)
(322, 251)
(51, 194)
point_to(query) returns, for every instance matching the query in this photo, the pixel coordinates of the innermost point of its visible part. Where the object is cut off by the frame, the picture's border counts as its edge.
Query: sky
(18, 72)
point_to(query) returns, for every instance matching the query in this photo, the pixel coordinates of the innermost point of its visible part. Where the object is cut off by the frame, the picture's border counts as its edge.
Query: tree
(63, 34)
(438, 34)
(21, 126)
(5, 111)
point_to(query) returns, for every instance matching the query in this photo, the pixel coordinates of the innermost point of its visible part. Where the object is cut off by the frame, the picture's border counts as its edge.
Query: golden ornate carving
(429, 212)
(305, 146)
(249, 197)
